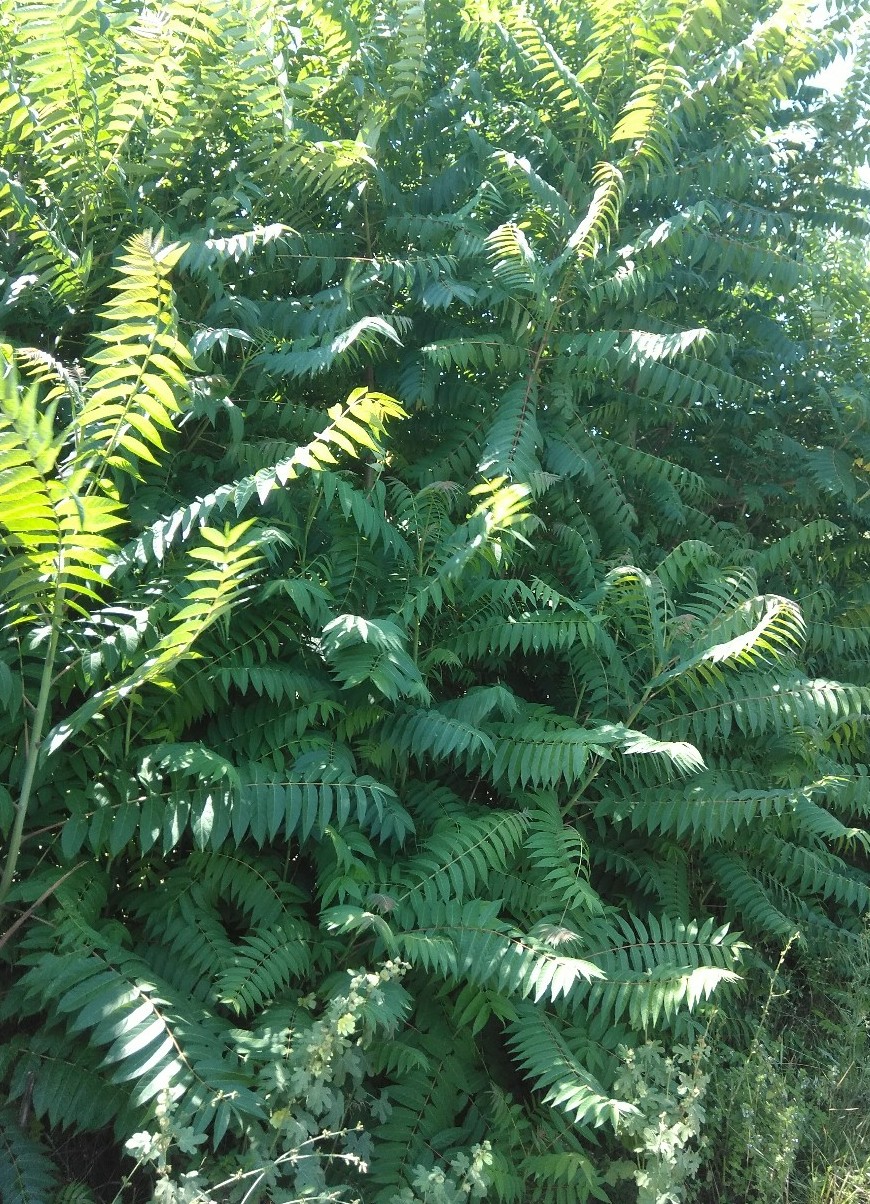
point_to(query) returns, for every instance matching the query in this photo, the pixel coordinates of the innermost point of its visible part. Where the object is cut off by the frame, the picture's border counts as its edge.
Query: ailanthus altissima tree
(434, 485)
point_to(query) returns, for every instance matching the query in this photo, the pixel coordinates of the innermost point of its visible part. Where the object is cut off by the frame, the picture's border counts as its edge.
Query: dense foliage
(434, 473)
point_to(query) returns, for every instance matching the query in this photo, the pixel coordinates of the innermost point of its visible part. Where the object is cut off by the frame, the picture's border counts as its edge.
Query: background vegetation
(434, 481)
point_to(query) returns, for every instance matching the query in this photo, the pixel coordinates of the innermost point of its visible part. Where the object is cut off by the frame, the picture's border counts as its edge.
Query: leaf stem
(45, 687)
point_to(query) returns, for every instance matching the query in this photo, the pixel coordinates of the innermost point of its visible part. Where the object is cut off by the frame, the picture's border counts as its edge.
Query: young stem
(34, 749)
(598, 763)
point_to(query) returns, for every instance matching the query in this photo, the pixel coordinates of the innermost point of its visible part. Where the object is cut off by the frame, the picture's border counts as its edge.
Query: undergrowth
(788, 1120)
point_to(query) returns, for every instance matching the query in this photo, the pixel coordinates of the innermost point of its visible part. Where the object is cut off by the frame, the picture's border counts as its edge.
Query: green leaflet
(27, 1174)
(557, 1061)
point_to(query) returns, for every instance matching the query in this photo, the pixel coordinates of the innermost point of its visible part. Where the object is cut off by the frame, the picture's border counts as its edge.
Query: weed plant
(788, 1109)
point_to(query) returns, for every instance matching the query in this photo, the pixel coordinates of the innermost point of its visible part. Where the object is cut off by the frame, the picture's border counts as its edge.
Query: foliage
(669, 1092)
(786, 1115)
(309, 1075)
(434, 482)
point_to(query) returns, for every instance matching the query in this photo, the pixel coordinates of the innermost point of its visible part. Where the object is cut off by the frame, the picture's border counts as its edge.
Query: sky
(833, 78)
